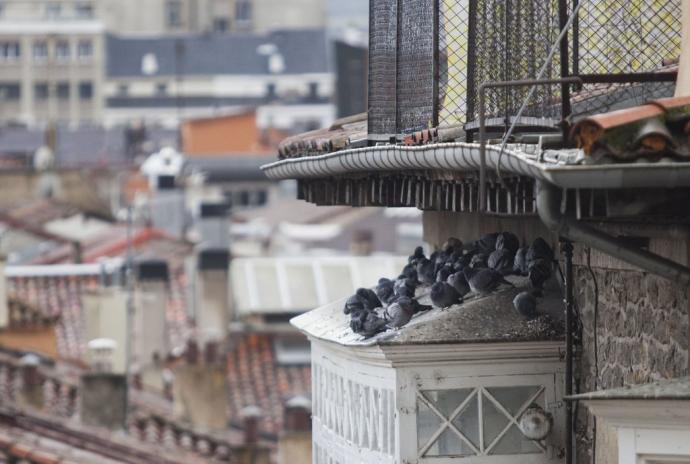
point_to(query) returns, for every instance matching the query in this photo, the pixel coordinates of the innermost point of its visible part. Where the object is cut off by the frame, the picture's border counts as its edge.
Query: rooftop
(667, 389)
(488, 319)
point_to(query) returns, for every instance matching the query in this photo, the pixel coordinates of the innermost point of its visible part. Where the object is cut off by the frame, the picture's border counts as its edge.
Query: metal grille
(382, 67)
(454, 87)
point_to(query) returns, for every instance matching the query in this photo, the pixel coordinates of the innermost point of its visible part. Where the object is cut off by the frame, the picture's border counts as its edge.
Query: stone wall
(642, 334)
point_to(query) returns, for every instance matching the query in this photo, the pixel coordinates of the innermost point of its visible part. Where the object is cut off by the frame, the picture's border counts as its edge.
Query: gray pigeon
(368, 298)
(484, 281)
(502, 260)
(479, 260)
(443, 273)
(452, 244)
(385, 290)
(398, 315)
(367, 323)
(404, 287)
(526, 304)
(459, 283)
(412, 304)
(520, 262)
(540, 271)
(539, 250)
(353, 305)
(444, 295)
(507, 241)
(425, 272)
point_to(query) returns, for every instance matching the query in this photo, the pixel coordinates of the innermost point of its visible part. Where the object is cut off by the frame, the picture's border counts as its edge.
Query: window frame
(80, 48)
(62, 45)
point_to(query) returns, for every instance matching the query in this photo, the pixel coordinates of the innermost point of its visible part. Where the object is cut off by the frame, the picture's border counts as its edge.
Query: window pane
(63, 90)
(514, 442)
(467, 421)
(449, 444)
(427, 424)
(84, 49)
(512, 398)
(41, 91)
(447, 401)
(62, 50)
(40, 51)
(10, 91)
(174, 13)
(494, 421)
(85, 90)
(84, 10)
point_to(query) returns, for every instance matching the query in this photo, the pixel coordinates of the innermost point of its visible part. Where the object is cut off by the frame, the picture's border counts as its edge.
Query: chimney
(251, 452)
(30, 395)
(213, 224)
(168, 207)
(294, 442)
(213, 308)
(105, 317)
(150, 324)
(4, 309)
(103, 394)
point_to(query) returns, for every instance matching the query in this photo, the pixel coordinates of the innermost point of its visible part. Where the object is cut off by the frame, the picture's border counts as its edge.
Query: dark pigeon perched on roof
(367, 323)
(444, 272)
(368, 298)
(385, 290)
(404, 287)
(444, 295)
(459, 283)
(479, 260)
(501, 260)
(353, 305)
(399, 314)
(484, 281)
(539, 250)
(520, 262)
(507, 241)
(526, 304)
(426, 272)
(413, 304)
(540, 270)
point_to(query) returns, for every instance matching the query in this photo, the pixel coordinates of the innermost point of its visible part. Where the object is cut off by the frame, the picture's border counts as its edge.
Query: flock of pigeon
(452, 273)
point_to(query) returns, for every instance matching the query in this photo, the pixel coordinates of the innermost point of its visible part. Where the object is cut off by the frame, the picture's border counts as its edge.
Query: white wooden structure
(652, 421)
(450, 386)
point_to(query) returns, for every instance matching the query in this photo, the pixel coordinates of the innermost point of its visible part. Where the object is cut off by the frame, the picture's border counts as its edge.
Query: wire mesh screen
(496, 40)
(415, 65)
(623, 37)
(382, 66)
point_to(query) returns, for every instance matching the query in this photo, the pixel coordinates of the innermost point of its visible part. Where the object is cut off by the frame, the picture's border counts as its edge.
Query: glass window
(41, 91)
(53, 10)
(10, 91)
(292, 350)
(243, 11)
(62, 50)
(122, 90)
(9, 51)
(173, 13)
(448, 421)
(161, 89)
(84, 49)
(270, 91)
(85, 90)
(40, 51)
(63, 90)
(83, 10)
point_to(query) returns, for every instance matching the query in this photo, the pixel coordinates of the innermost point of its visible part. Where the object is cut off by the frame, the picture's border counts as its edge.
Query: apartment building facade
(51, 62)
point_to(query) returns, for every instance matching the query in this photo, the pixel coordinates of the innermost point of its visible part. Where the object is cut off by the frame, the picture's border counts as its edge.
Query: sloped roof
(663, 389)
(301, 284)
(256, 379)
(304, 51)
(480, 319)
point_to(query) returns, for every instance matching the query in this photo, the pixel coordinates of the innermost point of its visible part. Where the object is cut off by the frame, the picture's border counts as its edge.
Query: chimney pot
(297, 415)
(250, 417)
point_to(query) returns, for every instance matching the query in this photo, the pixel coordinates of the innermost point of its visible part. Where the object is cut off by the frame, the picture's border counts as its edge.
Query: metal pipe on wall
(567, 249)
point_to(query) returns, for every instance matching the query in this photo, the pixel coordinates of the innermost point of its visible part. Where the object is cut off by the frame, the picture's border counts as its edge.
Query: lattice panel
(454, 88)
(481, 421)
(361, 415)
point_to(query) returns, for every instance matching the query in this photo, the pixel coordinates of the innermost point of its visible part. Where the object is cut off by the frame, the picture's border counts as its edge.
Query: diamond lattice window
(480, 421)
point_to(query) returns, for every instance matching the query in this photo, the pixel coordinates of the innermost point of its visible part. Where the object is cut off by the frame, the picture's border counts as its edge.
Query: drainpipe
(550, 206)
(568, 255)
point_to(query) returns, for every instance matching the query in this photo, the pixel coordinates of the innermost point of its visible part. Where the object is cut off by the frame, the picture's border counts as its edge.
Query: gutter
(550, 207)
(524, 160)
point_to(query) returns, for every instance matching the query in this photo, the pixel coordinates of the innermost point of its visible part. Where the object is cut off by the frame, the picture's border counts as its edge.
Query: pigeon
(398, 315)
(502, 260)
(451, 245)
(462, 262)
(487, 243)
(368, 324)
(520, 262)
(507, 241)
(526, 304)
(368, 298)
(353, 305)
(411, 303)
(539, 250)
(410, 272)
(416, 255)
(444, 295)
(459, 283)
(479, 260)
(443, 273)
(425, 272)
(540, 271)
(484, 281)
(385, 290)
(404, 287)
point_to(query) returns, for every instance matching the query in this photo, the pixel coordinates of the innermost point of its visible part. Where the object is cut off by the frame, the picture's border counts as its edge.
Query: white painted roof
(295, 284)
